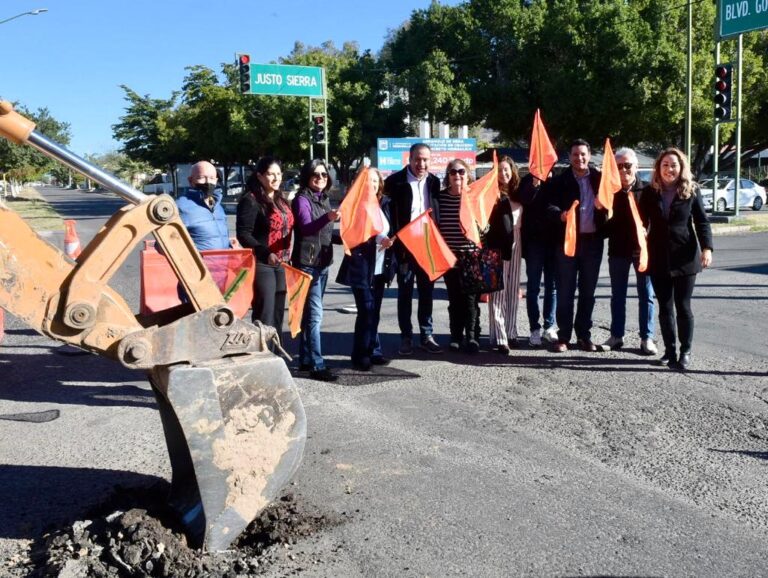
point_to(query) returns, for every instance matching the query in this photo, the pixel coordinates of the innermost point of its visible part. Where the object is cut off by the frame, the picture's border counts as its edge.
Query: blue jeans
(366, 340)
(405, 281)
(582, 271)
(619, 271)
(540, 259)
(309, 338)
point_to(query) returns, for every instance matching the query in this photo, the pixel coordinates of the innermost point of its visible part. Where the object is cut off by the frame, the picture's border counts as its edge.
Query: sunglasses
(454, 172)
(625, 166)
(319, 175)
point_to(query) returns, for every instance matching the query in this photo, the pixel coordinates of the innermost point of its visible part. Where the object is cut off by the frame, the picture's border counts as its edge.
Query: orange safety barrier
(232, 269)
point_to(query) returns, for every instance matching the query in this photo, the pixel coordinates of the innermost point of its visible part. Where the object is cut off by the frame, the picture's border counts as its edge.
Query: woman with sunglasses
(313, 254)
(463, 308)
(264, 224)
(679, 247)
(504, 235)
(368, 269)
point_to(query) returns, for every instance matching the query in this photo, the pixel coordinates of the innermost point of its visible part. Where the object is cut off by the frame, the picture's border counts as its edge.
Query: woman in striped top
(463, 309)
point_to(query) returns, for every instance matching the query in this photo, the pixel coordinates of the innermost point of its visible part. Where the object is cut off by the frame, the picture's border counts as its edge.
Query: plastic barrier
(232, 269)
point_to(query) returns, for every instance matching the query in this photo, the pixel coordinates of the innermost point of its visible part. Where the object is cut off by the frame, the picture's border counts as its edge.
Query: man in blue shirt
(579, 182)
(201, 211)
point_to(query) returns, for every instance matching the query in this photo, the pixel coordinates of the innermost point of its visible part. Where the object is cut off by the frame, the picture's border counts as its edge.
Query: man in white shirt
(412, 191)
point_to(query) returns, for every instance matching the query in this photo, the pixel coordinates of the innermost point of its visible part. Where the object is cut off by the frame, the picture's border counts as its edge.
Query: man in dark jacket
(623, 253)
(412, 191)
(579, 182)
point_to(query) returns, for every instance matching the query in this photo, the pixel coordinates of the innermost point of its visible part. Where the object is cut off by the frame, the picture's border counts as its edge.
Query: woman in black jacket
(504, 235)
(368, 270)
(264, 225)
(679, 247)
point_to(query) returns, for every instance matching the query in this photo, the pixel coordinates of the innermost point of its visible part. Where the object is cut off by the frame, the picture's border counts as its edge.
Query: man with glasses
(623, 253)
(579, 182)
(200, 209)
(412, 191)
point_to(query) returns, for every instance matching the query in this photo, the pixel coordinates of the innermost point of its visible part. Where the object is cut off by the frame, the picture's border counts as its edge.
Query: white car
(751, 195)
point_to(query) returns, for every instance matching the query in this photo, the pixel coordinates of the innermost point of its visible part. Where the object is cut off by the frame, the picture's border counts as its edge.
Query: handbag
(481, 270)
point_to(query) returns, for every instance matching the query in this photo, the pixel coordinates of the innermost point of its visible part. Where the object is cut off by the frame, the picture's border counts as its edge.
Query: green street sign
(738, 16)
(287, 80)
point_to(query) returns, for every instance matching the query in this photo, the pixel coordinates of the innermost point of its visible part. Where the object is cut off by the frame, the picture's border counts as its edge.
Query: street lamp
(34, 12)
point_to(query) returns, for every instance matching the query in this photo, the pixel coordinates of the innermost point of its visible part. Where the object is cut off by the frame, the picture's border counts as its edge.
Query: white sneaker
(551, 335)
(535, 339)
(613, 343)
(648, 347)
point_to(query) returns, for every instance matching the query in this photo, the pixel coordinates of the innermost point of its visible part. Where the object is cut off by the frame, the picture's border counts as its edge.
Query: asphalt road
(534, 464)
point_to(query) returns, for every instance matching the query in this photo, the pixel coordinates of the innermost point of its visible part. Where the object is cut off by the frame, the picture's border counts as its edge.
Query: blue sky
(74, 58)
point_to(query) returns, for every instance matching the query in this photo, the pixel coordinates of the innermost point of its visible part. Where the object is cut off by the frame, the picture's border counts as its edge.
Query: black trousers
(463, 309)
(269, 296)
(674, 295)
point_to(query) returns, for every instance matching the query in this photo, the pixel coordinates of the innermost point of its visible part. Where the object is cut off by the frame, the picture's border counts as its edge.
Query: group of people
(663, 220)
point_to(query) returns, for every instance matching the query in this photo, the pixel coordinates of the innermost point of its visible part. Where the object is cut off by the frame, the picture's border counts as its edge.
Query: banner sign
(393, 153)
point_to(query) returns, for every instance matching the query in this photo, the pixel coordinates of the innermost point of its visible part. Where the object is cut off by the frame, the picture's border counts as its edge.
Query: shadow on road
(35, 497)
(65, 379)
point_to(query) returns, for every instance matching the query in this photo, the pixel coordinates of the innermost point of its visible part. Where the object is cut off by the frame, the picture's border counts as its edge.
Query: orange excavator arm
(234, 424)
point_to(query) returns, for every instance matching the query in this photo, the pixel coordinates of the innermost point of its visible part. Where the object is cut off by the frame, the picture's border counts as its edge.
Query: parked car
(160, 183)
(645, 175)
(751, 195)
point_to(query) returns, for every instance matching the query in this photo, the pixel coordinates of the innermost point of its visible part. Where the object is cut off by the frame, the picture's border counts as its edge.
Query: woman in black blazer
(679, 247)
(367, 270)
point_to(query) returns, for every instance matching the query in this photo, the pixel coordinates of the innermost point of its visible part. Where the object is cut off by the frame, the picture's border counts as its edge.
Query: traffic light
(318, 128)
(244, 64)
(723, 86)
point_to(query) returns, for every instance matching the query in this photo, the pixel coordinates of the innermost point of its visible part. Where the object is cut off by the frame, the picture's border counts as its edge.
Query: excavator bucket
(235, 431)
(233, 421)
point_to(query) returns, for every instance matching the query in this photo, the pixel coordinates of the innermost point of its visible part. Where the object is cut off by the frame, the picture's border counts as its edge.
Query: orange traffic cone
(71, 240)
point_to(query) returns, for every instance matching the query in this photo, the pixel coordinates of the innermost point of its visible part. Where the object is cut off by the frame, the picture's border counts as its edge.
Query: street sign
(287, 80)
(738, 16)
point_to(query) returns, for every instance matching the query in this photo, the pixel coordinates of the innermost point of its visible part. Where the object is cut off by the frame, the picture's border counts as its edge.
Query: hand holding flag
(543, 155)
(427, 246)
(477, 203)
(360, 213)
(610, 182)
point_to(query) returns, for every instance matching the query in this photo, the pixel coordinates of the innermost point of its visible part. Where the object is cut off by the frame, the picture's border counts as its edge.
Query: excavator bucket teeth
(235, 431)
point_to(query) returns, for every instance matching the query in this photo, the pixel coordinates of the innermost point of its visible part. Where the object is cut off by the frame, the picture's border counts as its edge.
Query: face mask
(206, 188)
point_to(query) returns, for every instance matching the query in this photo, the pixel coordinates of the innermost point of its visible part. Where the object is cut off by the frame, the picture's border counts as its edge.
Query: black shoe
(305, 367)
(503, 349)
(473, 346)
(379, 360)
(362, 365)
(324, 374)
(669, 358)
(685, 361)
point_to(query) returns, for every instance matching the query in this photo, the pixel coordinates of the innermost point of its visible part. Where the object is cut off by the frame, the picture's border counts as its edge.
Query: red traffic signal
(318, 129)
(723, 90)
(244, 67)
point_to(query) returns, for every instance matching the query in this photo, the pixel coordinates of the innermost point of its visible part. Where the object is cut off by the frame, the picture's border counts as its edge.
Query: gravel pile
(140, 542)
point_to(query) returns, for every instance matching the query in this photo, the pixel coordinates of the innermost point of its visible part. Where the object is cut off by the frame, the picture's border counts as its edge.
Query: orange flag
(641, 240)
(477, 203)
(297, 286)
(360, 214)
(427, 245)
(543, 155)
(570, 230)
(610, 182)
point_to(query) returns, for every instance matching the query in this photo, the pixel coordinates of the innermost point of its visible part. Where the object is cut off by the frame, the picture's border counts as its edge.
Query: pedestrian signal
(723, 86)
(244, 65)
